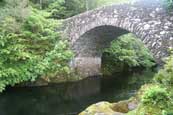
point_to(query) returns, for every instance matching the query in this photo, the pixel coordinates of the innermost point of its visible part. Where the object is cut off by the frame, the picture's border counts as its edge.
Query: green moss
(102, 107)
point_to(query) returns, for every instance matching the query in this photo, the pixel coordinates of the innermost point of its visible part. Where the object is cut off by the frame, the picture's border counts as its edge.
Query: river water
(70, 98)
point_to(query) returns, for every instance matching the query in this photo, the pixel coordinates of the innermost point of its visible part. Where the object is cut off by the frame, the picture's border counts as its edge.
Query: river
(70, 98)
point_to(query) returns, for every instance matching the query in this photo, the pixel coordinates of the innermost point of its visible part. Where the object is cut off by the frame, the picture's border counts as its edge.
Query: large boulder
(106, 108)
(121, 106)
(101, 108)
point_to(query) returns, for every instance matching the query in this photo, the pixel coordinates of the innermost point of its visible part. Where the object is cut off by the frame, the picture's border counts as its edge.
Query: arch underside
(94, 41)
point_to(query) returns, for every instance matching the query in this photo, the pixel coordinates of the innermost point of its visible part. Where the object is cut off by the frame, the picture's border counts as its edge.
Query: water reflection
(69, 98)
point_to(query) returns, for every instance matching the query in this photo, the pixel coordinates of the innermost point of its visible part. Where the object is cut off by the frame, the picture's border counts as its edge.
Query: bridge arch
(152, 25)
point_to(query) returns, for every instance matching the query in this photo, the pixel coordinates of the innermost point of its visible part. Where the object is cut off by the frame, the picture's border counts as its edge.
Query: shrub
(165, 75)
(155, 100)
(156, 96)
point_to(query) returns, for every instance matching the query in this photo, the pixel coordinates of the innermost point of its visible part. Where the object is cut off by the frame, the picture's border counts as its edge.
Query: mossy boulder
(125, 106)
(106, 108)
(121, 106)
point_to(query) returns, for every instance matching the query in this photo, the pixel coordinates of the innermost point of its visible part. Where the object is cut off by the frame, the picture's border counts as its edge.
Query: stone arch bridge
(92, 31)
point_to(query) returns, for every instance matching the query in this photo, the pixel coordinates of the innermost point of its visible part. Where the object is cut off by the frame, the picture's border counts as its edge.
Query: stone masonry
(92, 31)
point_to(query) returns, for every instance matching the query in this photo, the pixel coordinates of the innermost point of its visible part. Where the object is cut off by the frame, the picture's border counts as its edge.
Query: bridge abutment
(87, 66)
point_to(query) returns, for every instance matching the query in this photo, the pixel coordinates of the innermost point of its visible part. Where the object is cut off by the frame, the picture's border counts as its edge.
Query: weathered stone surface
(132, 105)
(117, 113)
(101, 108)
(106, 108)
(92, 31)
(87, 66)
(121, 106)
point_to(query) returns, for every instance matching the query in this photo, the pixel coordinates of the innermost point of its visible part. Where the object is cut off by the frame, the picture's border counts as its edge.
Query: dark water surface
(70, 98)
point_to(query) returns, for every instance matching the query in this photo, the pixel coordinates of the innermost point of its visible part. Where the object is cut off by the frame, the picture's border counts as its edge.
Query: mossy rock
(106, 108)
(101, 108)
(121, 106)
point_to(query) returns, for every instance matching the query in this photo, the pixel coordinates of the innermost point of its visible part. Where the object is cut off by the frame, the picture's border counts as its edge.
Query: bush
(155, 100)
(155, 96)
(165, 75)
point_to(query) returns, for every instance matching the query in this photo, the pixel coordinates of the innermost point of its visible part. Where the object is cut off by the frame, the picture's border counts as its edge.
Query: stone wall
(92, 31)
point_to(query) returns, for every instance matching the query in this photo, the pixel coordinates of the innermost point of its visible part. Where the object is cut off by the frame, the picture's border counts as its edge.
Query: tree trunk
(40, 4)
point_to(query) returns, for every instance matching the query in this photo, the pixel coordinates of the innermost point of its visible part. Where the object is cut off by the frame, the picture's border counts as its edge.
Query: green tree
(124, 53)
(30, 48)
(18, 9)
(169, 4)
(66, 8)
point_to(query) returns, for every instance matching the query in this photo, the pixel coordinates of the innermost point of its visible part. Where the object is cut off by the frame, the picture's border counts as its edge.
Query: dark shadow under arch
(93, 41)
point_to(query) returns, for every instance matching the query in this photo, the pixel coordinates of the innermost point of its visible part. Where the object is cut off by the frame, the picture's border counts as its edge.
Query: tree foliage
(92, 4)
(61, 9)
(168, 4)
(30, 48)
(126, 52)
